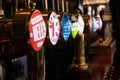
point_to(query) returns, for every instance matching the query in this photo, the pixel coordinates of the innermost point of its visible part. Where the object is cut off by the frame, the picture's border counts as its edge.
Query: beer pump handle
(53, 5)
(58, 6)
(67, 8)
(28, 3)
(63, 6)
(46, 5)
(16, 5)
(32, 5)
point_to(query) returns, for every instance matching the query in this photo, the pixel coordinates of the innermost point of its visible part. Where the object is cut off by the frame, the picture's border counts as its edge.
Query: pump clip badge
(37, 30)
(74, 26)
(54, 28)
(66, 26)
(81, 24)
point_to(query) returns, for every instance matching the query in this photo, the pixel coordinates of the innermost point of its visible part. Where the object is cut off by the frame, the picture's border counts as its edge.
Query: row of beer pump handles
(70, 25)
(75, 25)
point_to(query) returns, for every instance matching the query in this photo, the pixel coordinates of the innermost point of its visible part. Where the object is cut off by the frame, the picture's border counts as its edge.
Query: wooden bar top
(106, 46)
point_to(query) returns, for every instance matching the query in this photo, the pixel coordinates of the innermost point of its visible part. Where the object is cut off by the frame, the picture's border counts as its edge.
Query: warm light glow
(89, 2)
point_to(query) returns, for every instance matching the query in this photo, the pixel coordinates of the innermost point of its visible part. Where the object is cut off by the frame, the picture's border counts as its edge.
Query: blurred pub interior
(92, 59)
